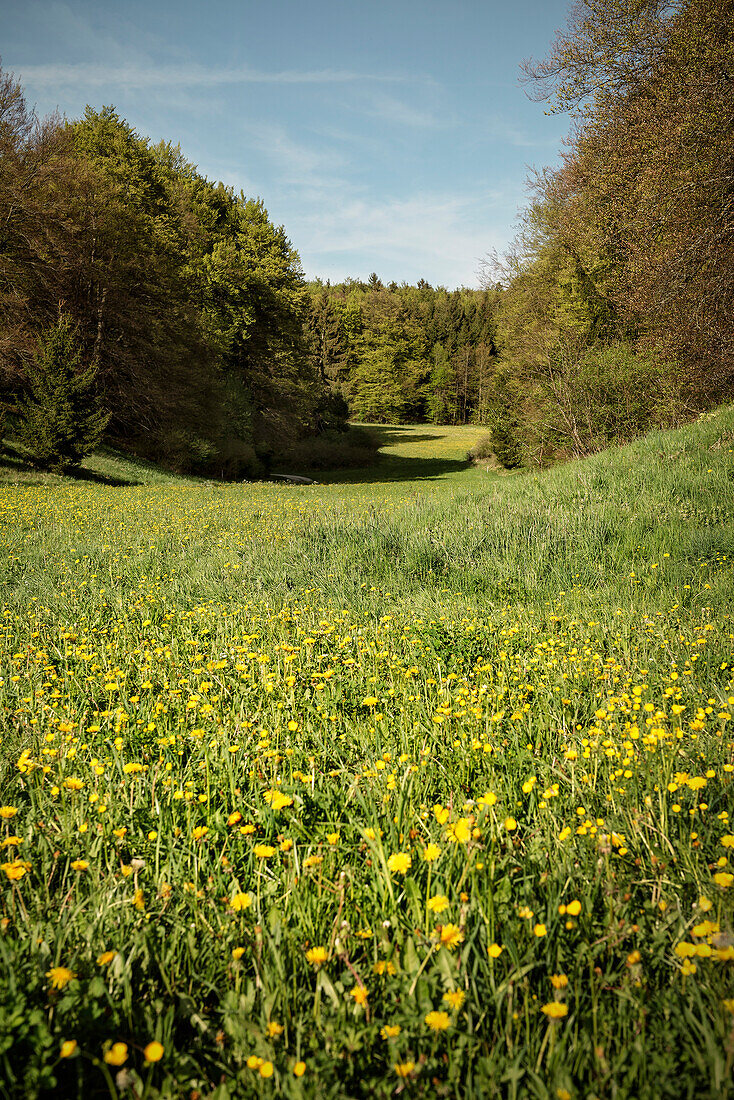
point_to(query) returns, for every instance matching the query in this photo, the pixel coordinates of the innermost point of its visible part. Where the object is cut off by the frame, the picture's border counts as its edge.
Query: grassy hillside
(417, 780)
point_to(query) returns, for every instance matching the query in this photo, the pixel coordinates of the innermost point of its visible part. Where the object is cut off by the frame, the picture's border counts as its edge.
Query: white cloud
(90, 75)
(436, 237)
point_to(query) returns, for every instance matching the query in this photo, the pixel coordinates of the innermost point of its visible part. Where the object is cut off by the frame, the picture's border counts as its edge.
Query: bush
(482, 449)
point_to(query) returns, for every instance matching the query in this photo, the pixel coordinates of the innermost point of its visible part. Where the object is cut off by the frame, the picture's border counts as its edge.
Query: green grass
(250, 711)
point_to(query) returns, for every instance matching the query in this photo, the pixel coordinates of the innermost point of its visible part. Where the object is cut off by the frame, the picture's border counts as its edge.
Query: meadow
(415, 782)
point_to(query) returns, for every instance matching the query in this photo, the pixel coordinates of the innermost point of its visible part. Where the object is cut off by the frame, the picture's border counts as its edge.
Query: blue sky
(386, 136)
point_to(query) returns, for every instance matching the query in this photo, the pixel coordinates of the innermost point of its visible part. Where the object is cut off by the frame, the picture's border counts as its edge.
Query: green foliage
(405, 353)
(62, 419)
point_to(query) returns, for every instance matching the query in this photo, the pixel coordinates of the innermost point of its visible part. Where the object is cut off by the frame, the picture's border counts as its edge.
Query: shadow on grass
(395, 467)
(13, 459)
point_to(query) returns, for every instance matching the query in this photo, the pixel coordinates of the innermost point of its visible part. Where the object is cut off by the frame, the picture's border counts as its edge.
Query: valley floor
(417, 781)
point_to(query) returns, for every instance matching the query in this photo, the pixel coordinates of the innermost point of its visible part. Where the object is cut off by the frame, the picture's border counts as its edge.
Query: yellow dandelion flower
(116, 1055)
(278, 800)
(154, 1051)
(554, 1010)
(438, 903)
(399, 863)
(317, 956)
(438, 1021)
(390, 1031)
(455, 998)
(60, 976)
(450, 936)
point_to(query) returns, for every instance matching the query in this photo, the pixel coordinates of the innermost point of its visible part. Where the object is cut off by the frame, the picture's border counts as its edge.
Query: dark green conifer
(61, 416)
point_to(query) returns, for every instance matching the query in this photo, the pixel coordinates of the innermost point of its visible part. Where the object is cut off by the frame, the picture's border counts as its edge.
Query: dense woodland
(209, 351)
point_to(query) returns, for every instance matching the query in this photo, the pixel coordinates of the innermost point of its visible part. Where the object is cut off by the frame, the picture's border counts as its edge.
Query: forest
(175, 317)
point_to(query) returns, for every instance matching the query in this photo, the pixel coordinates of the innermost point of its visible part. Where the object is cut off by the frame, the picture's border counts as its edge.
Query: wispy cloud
(94, 75)
(397, 112)
(295, 161)
(439, 237)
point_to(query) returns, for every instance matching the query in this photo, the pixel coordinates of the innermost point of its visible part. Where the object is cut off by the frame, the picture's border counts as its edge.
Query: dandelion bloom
(317, 956)
(431, 852)
(573, 908)
(16, 869)
(399, 862)
(68, 1048)
(494, 950)
(263, 851)
(237, 953)
(105, 958)
(455, 998)
(240, 901)
(554, 1010)
(154, 1051)
(234, 818)
(80, 864)
(6, 812)
(359, 993)
(438, 903)
(510, 824)
(266, 1069)
(116, 1055)
(450, 935)
(559, 981)
(404, 1069)
(390, 1031)
(277, 799)
(723, 879)
(540, 930)
(438, 1021)
(299, 1069)
(460, 831)
(274, 1029)
(60, 976)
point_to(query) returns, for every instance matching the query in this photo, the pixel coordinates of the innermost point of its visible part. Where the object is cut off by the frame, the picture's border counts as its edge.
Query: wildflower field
(416, 783)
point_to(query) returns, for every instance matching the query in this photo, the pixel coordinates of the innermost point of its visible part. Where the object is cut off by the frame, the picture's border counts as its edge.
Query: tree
(61, 416)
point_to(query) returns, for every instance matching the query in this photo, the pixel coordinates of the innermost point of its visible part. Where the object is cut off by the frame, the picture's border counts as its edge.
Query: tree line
(400, 353)
(173, 301)
(178, 315)
(617, 312)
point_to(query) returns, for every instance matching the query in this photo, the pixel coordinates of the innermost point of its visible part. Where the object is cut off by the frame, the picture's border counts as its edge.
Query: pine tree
(61, 416)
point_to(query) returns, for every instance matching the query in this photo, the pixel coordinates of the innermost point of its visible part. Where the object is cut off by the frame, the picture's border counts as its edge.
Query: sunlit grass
(416, 783)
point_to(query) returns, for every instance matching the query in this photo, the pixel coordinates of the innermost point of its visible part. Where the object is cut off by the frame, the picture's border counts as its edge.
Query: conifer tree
(61, 416)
